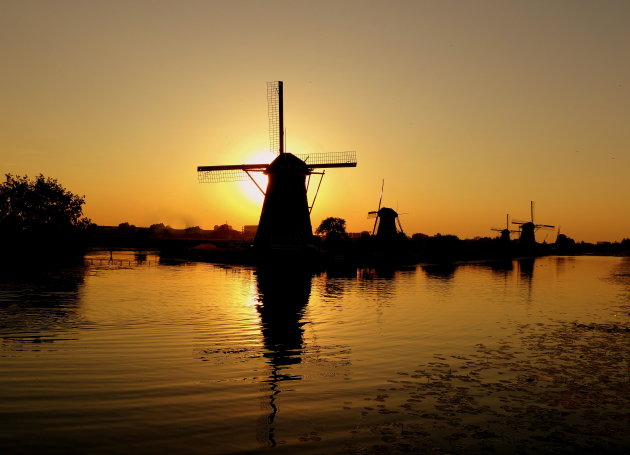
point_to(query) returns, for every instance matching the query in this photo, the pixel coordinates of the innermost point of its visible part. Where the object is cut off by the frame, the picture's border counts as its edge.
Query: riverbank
(360, 250)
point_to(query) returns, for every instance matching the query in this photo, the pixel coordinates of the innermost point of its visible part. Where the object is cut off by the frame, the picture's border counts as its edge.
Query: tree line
(40, 214)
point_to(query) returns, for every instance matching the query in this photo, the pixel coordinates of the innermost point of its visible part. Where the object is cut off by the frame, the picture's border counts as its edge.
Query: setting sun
(249, 188)
(254, 191)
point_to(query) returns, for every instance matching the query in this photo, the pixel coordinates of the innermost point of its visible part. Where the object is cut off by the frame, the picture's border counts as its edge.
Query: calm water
(137, 356)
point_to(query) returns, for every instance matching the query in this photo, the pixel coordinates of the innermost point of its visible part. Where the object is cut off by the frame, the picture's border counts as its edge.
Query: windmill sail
(228, 173)
(239, 172)
(380, 200)
(330, 159)
(276, 116)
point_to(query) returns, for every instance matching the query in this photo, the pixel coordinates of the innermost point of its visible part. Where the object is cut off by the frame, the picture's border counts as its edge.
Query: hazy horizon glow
(468, 110)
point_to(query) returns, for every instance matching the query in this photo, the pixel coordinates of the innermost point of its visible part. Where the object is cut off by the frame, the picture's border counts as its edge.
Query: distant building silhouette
(249, 232)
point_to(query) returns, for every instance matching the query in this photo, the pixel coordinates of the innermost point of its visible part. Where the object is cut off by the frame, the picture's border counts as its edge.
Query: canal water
(128, 354)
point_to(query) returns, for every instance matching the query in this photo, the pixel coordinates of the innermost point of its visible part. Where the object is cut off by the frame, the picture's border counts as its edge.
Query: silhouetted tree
(157, 227)
(127, 228)
(332, 228)
(160, 230)
(39, 206)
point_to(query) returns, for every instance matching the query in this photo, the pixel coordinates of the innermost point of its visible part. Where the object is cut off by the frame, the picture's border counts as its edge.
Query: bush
(38, 206)
(40, 217)
(332, 228)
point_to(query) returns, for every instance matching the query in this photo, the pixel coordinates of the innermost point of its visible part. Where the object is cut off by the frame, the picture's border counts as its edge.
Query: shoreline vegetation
(224, 244)
(40, 218)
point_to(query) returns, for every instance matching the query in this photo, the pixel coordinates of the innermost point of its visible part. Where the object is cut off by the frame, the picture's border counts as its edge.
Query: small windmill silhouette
(505, 232)
(285, 223)
(385, 218)
(529, 228)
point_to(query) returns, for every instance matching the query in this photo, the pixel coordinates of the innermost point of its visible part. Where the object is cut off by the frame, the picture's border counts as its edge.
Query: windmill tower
(529, 228)
(505, 233)
(285, 223)
(386, 220)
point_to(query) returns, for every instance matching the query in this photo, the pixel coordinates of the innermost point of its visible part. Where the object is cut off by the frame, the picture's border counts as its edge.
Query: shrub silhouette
(39, 206)
(332, 228)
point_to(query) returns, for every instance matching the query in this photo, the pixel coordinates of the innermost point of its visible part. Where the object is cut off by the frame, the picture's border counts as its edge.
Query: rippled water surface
(138, 356)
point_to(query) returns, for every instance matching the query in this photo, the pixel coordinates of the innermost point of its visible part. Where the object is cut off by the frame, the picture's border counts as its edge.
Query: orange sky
(467, 109)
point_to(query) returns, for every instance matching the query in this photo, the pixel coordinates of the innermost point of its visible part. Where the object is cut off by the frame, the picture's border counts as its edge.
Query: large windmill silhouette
(285, 223)
(529, 228)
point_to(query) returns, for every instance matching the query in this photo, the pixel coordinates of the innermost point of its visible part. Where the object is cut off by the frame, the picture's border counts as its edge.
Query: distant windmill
(285, 222)
(528, 228)
(560, 236)
(386, 219)
(505, 232)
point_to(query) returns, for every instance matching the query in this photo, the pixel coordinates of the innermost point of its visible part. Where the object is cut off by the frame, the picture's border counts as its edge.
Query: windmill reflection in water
(283, 294)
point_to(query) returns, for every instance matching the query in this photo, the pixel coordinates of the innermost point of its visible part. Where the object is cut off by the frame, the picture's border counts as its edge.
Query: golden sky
(468, 109)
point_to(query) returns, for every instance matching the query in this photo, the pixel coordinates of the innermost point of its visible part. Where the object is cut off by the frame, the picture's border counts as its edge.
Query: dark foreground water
(135, 356)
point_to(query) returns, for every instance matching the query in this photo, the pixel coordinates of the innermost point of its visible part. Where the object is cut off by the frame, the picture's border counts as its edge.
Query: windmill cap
(287, 163)
(386, 211)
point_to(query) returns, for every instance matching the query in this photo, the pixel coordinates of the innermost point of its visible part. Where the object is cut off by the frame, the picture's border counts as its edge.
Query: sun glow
(248, 187)
(251, 188)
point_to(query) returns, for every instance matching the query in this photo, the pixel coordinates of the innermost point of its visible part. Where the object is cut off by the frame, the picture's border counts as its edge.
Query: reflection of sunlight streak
(236, 309)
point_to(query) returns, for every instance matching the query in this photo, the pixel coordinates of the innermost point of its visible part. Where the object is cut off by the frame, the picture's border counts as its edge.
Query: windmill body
(528, 234)
(527, 237)
(285, 220)
(505, 235)
(385, 221)
(285, 223)
(505, 232)
(386, 224)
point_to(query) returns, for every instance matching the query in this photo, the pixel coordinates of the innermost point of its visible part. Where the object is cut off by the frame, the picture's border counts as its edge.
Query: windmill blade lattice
(239, 172)
(331, 159)
(273, 110)
(228, 173)
(232, 175)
